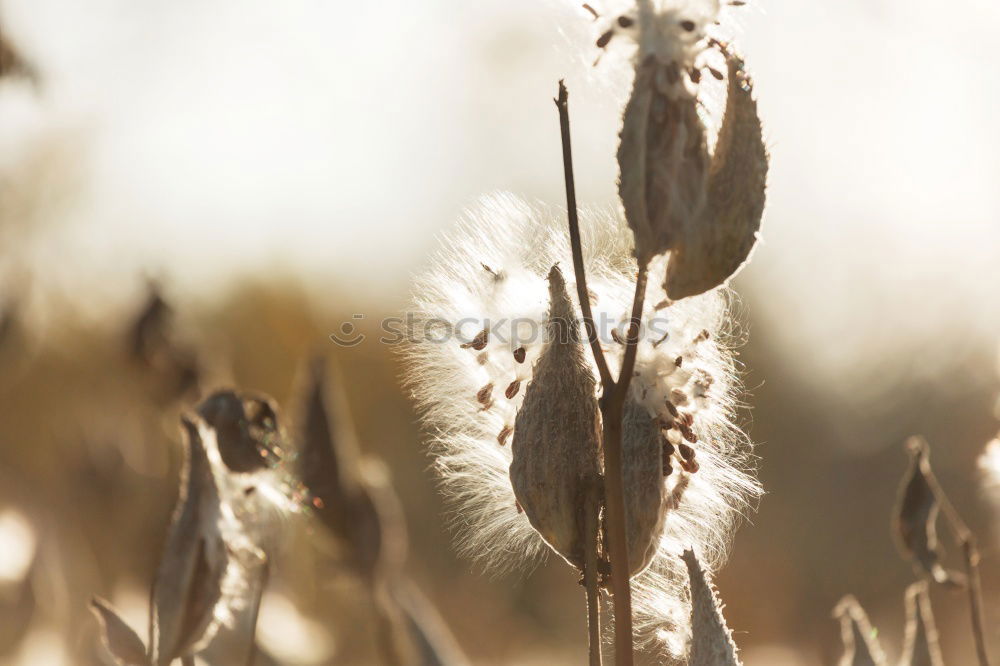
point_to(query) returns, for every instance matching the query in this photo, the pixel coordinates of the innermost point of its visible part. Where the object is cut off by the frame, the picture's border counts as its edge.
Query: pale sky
(331, 141)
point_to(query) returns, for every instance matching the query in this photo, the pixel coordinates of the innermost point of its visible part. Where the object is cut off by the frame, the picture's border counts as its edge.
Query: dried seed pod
(711, 640)
(920, 645)
(861, 646)
(11, 62)
(719, 240)
(662, 159)
(246, 428)
(360, 510)
(555, 446)
(642, 476)
(121, 641)
(188, 582)
(915, 519)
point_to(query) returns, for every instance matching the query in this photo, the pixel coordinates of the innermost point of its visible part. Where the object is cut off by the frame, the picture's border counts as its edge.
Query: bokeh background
(280, 167)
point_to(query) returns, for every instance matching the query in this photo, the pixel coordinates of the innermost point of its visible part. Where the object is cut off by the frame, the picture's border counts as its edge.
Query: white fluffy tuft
(491, 274)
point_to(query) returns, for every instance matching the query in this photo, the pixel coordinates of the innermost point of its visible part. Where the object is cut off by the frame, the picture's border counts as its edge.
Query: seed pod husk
(246, 428)
(663, 159)
(120, 639)
(556, 441)
(711, 640)
(915, 520)
(717, 242)
(642, 476)
(188, 582)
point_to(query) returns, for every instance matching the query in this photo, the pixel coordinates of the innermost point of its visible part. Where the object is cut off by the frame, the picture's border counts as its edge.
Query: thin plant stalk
(255, 612)
(591, 576)
(612, 405)
(562, 103)
(975, 597)
(964, 536)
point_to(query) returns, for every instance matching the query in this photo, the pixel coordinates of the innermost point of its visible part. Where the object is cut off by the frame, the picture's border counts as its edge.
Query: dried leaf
(642, 475)
(920, 646)
(861, 646)
(711, 640)
(719, 241)
(188, 582)
(662, 159)
(121, 641)
(556, 445)
(915, 519)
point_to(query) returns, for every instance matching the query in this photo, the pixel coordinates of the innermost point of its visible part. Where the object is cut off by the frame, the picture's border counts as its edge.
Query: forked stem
(612, 403)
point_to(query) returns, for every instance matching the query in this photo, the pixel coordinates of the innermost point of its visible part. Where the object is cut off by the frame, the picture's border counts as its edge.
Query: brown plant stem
(255, 612)
(591, 576)
(964, 536)
(612, 404)
(975, 597)
(562, 103)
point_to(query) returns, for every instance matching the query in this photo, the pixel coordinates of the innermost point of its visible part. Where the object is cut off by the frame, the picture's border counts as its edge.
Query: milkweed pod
(711, 640)
(645, 491)
(122, 642)
(556, 444)
(188, 583)
(915, 520)
(662, 160)
(246, 428)
(716, 243)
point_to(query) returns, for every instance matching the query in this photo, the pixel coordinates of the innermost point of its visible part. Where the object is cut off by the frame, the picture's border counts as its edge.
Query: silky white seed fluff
(490, 273)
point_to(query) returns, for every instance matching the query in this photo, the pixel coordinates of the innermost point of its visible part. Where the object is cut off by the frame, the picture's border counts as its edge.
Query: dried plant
(861, 645)
(11, 61)
(172, 367)
(711, 640)
(495, 268)
(921, 499)
(226, 526)
(920, 644)
(121, 641)
(354, 500)
(915, 524)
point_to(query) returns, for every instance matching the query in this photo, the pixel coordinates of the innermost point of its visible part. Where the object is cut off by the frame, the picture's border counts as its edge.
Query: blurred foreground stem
(964, 536)
(612, 406)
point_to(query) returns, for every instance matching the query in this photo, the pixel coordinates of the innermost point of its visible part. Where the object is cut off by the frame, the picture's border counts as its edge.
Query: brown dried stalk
(915, 524)
(612, 404)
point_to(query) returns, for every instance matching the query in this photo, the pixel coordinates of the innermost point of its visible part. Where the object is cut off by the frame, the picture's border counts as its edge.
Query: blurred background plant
(243, 157)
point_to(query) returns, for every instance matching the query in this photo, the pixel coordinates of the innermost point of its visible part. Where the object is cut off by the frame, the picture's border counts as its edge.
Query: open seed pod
(556, 439)
(642, 472)
(716, 243)
(189, 581)
(663, 159)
